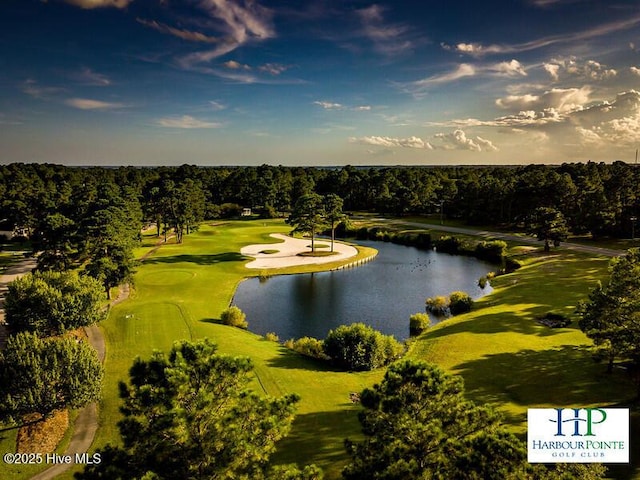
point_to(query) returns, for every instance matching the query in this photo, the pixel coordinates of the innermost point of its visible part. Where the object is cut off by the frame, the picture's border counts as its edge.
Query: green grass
(508, 359)
(180, 291)
(505, 357)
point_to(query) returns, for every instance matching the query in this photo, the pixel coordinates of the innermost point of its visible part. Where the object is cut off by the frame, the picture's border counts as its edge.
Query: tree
(360, 347)
(235, 317)
(548, 224)
(333, 213)
(418, 425)
(51, 303)
(308, 216)
(419, 322)
(190, 415)
(611, 316)
(44, 375)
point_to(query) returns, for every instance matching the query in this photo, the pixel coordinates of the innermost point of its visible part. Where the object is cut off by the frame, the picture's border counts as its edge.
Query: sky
(295, 82)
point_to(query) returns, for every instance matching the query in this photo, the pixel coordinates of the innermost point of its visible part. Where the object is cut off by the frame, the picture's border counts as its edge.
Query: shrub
(492, 251)
(511, 265)
(272, 337)
(360, 347)
(235, 317)
(447, 244)
(418, 322)
(460, 302)
(437, 305)
(309, 346)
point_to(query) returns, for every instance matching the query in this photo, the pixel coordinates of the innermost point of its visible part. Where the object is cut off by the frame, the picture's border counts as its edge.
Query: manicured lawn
(180, 291)
(505, 357)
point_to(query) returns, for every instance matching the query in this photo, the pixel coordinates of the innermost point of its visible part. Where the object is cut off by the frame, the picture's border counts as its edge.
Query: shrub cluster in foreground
(354, 347)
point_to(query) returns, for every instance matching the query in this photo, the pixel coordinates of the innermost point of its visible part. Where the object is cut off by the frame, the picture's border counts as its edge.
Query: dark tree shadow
(319, 438)
(200, 259)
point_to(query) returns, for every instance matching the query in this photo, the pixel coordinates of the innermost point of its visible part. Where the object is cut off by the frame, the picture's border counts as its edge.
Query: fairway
(504, 355)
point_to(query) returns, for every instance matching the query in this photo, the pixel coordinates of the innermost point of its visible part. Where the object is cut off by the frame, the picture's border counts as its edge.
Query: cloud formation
(240, 22)
(458, 140)
(188, 35)
(90, 4)
(589, 70)
(89, 104)
(388, 39)
(391, 142)
(478, 50)
(186, 122)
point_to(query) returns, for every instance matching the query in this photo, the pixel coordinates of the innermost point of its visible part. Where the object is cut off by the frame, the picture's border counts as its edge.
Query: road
(608, 252)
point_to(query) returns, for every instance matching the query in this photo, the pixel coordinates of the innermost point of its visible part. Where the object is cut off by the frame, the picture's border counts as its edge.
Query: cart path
(608, 252)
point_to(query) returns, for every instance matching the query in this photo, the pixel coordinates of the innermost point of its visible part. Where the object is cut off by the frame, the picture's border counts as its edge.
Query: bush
(418, 322)
(437, 305)
(309, 346)
(511, 265)
(235, 317)
(493, 251)
(360, 347)
(460, 302)
(447, 244)
(272, 337)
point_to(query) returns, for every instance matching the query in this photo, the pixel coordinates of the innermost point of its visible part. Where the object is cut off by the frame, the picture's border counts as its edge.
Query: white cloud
(589, 70)
(362, 108)
(635, 70)
(90, 4)
(233, 65)
(186, 122)
(217, 105)
(552, 69)
(273, 68)
(388, 39)
(35, 90)
(188, 35)
(477, 49)
(510, 69)
(390, 142)
(561, 100)
(89, 104)
(463, 70)
(329, 105)
(240, 22)
(88, 77)
(458, 140)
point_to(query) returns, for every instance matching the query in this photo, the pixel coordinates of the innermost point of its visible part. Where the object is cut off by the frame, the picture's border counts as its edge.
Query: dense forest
(78, 209)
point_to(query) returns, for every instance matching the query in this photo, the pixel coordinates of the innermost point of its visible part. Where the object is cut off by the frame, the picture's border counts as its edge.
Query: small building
(246, 212)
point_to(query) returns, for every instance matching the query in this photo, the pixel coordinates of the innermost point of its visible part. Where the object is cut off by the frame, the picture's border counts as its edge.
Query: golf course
(505, 356)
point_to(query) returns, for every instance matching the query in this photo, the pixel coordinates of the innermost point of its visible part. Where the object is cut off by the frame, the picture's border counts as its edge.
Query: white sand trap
(288, 251)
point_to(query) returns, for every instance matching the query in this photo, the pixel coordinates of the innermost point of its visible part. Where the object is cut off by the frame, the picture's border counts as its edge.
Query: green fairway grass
(504, 355)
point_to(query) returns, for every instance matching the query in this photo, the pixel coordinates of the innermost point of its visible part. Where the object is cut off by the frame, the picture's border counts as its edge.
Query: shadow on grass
(200, 259)
(500, 322)
(565, 376)
(319, 438)
(289, 359)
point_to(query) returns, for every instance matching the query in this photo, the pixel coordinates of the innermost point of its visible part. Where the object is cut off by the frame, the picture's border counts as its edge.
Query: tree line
(62, 205)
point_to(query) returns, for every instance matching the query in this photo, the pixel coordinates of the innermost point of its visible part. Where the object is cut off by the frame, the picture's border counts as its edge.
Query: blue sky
(222, 82)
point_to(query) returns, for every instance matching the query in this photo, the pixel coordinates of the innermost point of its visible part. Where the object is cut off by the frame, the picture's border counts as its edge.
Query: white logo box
(578, 435)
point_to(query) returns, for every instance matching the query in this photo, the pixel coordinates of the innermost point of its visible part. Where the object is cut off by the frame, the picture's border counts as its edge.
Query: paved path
(609, 252)
(86, 425)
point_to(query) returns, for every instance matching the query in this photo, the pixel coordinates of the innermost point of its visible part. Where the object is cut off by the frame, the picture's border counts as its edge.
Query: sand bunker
(288, 250)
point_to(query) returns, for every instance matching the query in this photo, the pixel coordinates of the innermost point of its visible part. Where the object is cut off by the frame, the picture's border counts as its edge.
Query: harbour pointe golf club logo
(578, 435)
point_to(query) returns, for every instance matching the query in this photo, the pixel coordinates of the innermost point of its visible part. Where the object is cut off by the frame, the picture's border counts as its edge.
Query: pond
(382, 293)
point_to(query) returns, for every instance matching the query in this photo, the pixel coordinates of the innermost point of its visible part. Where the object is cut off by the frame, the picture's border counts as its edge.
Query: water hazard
(382, 293)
